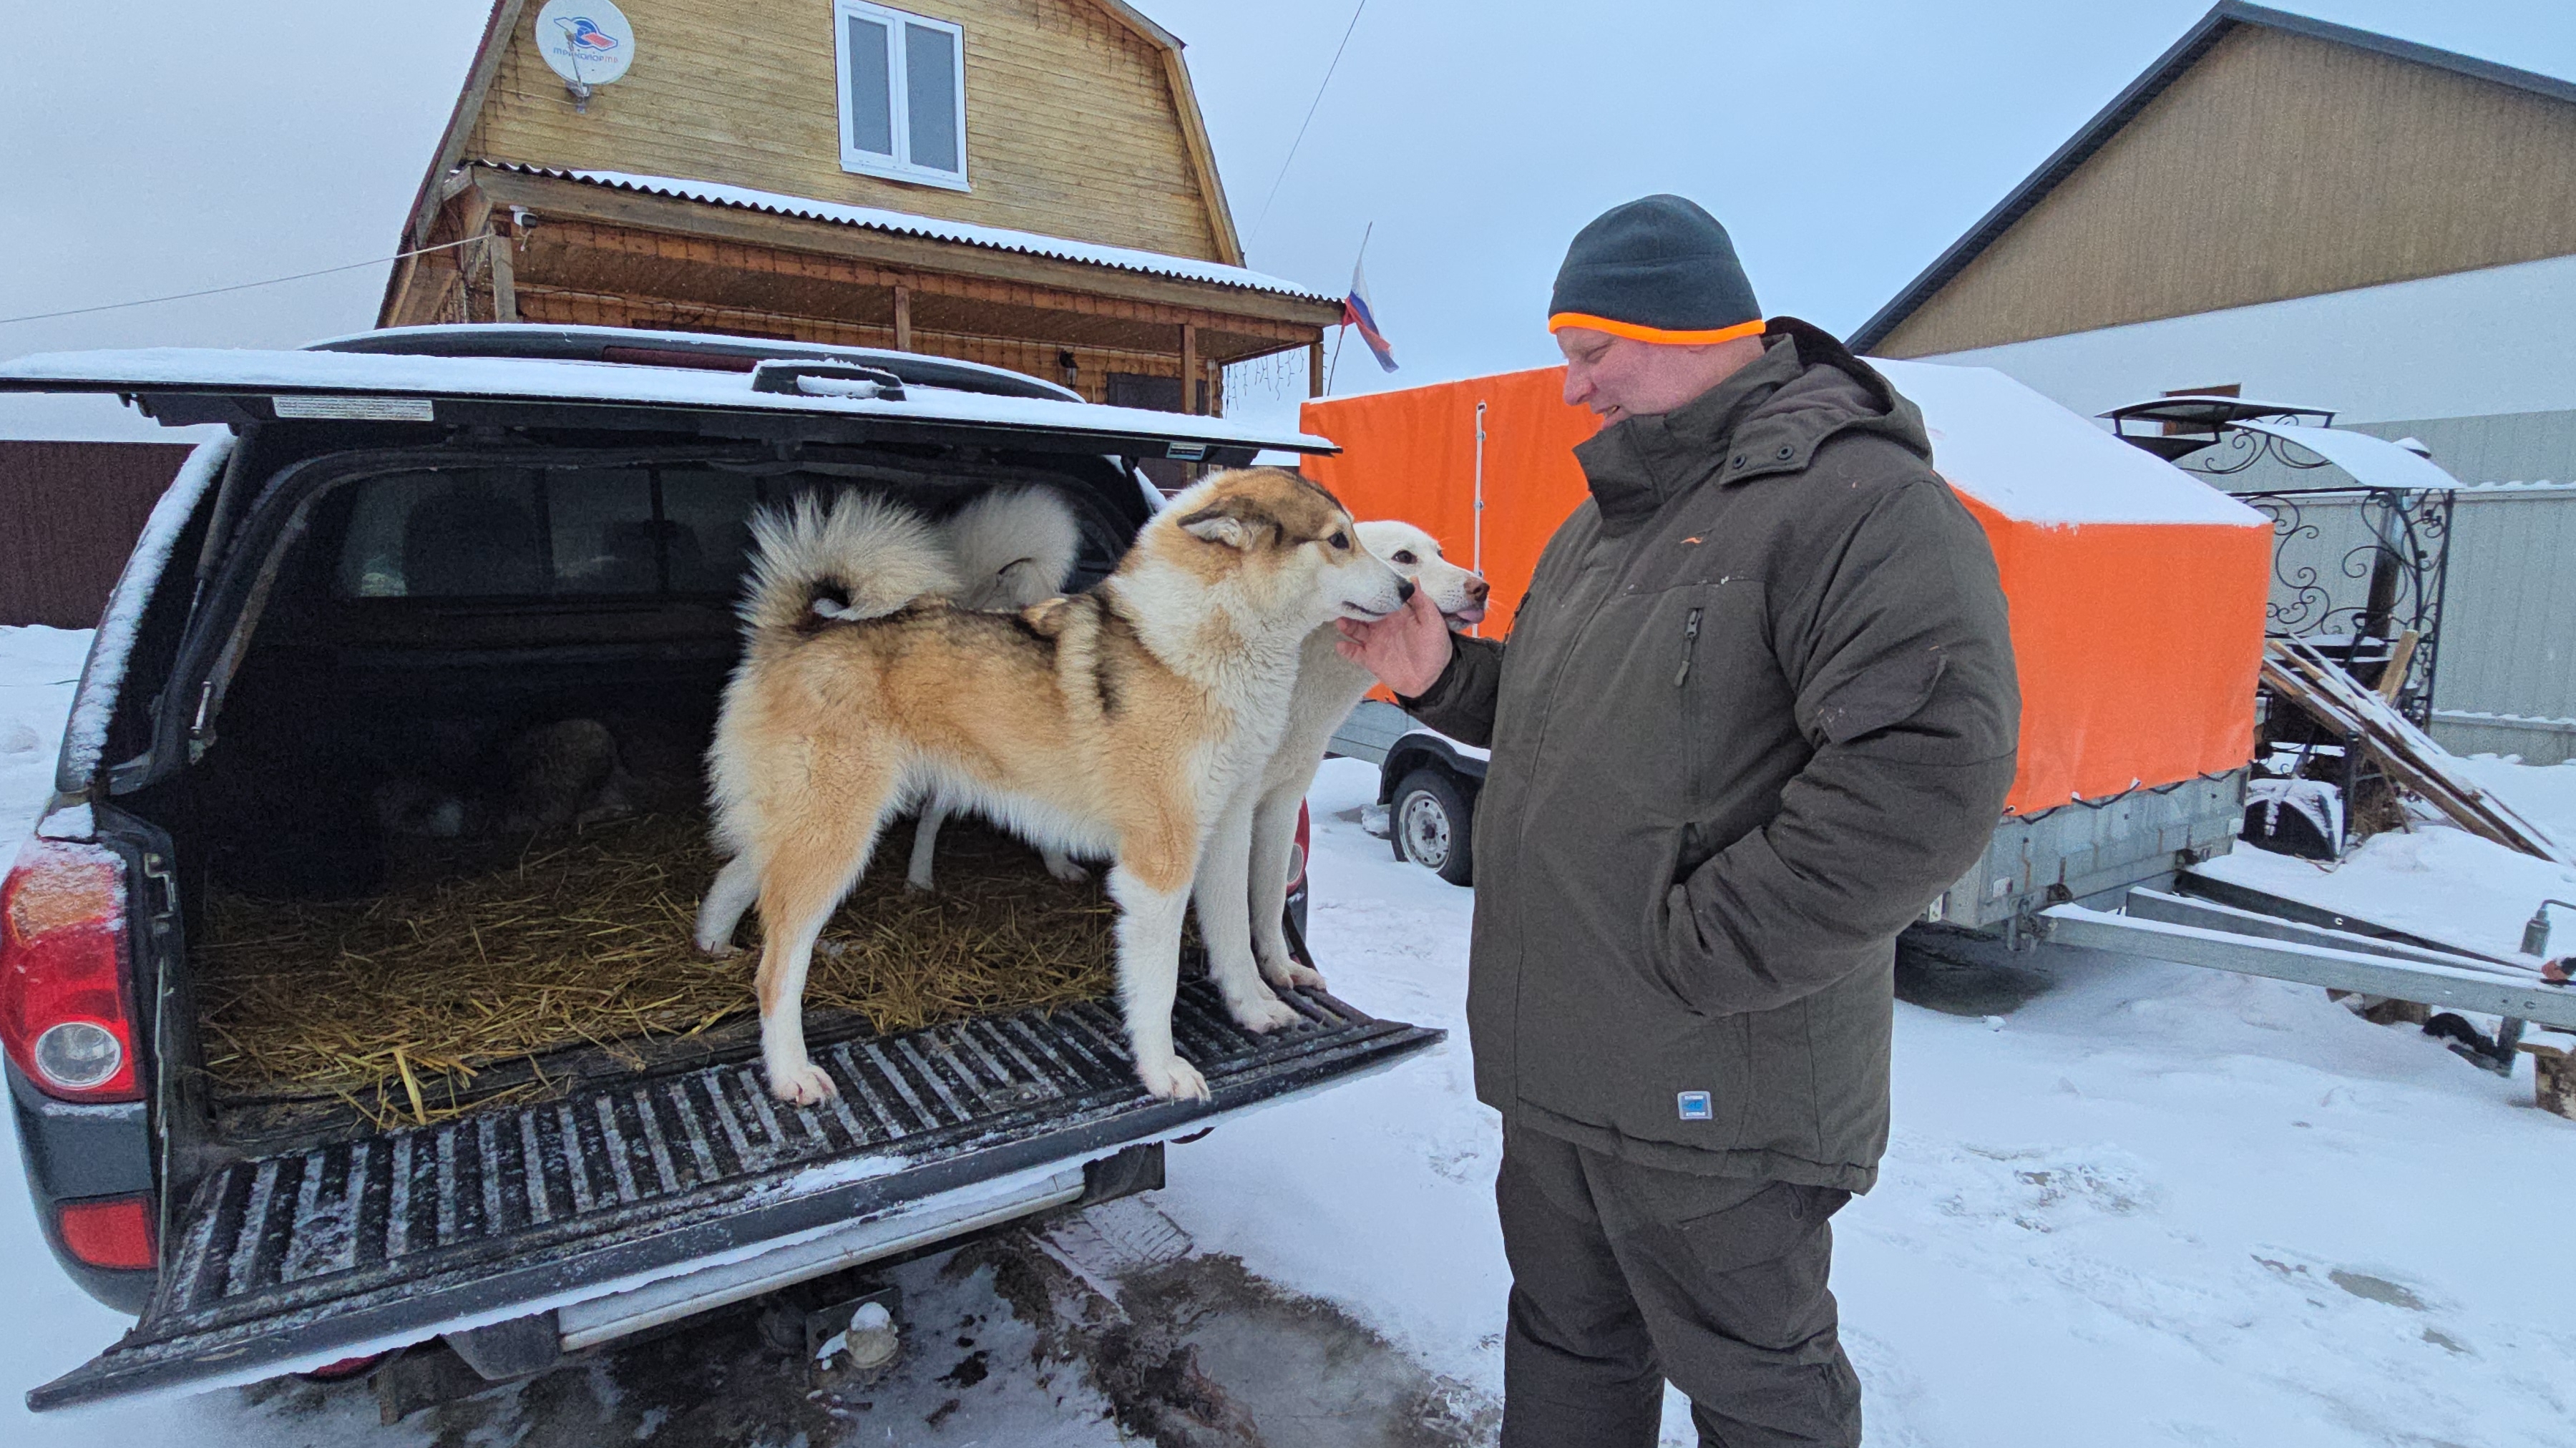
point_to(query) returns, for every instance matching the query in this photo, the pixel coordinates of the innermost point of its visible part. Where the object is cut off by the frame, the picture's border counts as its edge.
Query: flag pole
(1344, 334)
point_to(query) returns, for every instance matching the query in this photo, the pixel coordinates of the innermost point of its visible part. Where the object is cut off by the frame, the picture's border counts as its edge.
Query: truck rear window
(547, 532)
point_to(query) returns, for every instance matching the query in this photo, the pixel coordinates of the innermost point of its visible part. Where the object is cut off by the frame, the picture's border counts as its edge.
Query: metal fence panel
(2509, 624)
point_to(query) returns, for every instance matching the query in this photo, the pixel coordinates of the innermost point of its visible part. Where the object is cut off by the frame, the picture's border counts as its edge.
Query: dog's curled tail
(855, 557)
(1014, 547)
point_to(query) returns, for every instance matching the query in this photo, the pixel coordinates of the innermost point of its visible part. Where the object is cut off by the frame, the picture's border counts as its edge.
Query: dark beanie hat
(1658, 270)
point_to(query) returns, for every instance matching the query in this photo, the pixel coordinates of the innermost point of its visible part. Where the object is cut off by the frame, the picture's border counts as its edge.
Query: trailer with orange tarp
(2137, 596)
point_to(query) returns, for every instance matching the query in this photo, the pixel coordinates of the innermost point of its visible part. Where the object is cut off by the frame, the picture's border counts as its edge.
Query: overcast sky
(1844, 144)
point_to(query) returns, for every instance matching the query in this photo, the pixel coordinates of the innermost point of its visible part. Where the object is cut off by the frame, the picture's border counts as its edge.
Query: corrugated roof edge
(998, 238)
(2159, 77)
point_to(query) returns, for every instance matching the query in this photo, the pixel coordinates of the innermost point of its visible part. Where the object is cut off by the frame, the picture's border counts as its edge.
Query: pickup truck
(276, 639)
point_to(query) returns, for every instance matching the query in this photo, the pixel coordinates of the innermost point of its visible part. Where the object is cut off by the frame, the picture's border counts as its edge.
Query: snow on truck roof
(363, 375)
(2032, 460)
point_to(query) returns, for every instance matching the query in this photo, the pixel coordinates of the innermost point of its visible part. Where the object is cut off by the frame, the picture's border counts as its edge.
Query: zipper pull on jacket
(1690, 647)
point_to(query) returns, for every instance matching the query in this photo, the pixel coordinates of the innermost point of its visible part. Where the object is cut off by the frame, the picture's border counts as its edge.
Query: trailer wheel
(1432, 825)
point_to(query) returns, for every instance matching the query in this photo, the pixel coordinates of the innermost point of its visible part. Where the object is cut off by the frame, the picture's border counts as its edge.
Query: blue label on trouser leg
(1695, 1106)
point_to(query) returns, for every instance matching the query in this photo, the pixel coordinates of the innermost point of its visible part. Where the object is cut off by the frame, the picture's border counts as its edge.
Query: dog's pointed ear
(1234, 522)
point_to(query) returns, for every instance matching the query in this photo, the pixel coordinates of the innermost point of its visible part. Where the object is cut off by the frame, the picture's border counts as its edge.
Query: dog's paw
(1066, 870)
(918, 885)
(1172, 1079)
(1289, 975)
(805, 1084)
(715, 949)
(1262, 1013)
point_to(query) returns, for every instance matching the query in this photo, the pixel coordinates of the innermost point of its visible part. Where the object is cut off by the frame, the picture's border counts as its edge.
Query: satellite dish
(587, 42)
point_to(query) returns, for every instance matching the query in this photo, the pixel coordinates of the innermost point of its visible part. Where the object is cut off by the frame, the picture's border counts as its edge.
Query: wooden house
(1025, 183)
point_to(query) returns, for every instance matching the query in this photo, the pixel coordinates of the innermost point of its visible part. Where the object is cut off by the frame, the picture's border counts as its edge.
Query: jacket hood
(1768, 418)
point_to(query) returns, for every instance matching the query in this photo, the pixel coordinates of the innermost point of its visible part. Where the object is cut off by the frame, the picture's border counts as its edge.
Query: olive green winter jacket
(1757, 709)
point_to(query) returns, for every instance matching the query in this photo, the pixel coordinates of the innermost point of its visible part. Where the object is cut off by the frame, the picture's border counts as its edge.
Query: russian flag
(1356, 312)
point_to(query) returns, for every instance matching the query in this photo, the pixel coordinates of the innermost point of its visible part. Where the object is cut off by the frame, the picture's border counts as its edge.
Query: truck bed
(292, 1260)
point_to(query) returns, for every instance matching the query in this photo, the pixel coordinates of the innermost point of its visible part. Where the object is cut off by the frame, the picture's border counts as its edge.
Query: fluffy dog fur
(1124, 721)
(1006, 550)
(1014, 548)
(1247, 861)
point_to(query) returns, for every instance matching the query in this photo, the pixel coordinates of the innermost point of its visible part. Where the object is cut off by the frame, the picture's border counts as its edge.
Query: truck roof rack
(703, 351)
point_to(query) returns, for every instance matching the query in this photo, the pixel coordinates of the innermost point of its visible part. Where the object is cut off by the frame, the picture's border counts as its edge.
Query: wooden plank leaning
(2306, 677)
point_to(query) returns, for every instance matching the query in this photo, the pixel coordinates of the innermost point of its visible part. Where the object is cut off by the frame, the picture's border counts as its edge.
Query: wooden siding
(75, 509)
(1072, 127)
(2279, 166)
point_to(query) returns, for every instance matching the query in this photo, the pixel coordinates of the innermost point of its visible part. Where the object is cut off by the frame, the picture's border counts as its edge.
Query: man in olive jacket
(1756, 711)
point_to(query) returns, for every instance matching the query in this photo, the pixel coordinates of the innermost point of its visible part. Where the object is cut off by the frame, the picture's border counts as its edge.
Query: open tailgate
(185, 385)
(287, 1262)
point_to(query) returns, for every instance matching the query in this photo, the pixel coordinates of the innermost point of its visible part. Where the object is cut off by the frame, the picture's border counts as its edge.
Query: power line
(238, 286)
(1264, 218)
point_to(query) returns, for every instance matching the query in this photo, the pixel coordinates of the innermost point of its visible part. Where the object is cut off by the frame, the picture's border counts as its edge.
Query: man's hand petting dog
(1406, 650)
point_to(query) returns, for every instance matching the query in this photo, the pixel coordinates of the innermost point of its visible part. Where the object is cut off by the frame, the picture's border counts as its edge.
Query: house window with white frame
(903, 94)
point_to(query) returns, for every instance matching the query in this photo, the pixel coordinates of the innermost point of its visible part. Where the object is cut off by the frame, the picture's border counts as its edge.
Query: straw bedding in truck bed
(394, 1004)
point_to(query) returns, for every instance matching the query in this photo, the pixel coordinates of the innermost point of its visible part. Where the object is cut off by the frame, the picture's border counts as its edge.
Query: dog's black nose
(1404, 590)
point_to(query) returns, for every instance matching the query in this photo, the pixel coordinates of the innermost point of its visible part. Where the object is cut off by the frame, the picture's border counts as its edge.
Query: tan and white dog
(1120, 722)
(1008, 549)
(1247, 861)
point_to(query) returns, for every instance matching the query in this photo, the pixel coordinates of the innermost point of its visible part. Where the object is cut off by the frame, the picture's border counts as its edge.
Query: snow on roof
(878, 219)
(2373, 461)
(2029, 459)
(230, 371)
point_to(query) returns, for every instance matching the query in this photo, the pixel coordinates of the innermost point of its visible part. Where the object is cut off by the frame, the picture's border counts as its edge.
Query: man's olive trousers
(1624, 1276)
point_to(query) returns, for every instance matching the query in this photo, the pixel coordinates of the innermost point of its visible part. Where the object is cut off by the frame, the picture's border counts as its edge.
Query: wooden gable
(1078, 122)
(1081, 134)
(2279, 163)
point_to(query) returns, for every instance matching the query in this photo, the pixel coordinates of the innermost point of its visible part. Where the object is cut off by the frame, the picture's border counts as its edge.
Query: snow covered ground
(2157, 1205)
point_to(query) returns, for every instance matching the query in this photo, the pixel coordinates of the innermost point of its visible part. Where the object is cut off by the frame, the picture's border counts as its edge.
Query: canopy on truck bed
(2137, 591)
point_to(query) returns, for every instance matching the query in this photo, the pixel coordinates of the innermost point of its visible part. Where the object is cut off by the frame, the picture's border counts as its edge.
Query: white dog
(1014, 548)
(1247, 861)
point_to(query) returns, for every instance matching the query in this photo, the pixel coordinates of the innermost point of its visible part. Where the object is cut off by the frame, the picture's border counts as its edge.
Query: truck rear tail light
(1297, 851)
(64, 1016)
(111, 1232)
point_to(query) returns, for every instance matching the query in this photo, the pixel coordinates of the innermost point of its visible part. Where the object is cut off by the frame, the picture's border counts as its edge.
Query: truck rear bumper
(75, 1152)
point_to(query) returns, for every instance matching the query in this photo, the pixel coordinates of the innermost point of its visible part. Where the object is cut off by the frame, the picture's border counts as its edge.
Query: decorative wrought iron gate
(2354, 570)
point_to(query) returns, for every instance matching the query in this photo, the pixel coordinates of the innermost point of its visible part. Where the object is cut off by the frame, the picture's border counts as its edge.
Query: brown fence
(69, 514)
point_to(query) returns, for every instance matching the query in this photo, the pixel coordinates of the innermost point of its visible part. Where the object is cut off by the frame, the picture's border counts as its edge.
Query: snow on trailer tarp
(2137, 592)
(246, 372)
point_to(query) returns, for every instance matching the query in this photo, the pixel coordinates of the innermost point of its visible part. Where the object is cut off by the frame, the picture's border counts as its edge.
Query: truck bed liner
(279, 1259)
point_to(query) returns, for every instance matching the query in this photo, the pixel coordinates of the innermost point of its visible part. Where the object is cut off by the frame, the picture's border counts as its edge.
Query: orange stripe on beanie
(1658, 269)
(1663, 336)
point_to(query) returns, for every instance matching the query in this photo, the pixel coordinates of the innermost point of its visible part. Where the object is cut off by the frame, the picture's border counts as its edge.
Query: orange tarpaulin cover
(2136, 592)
